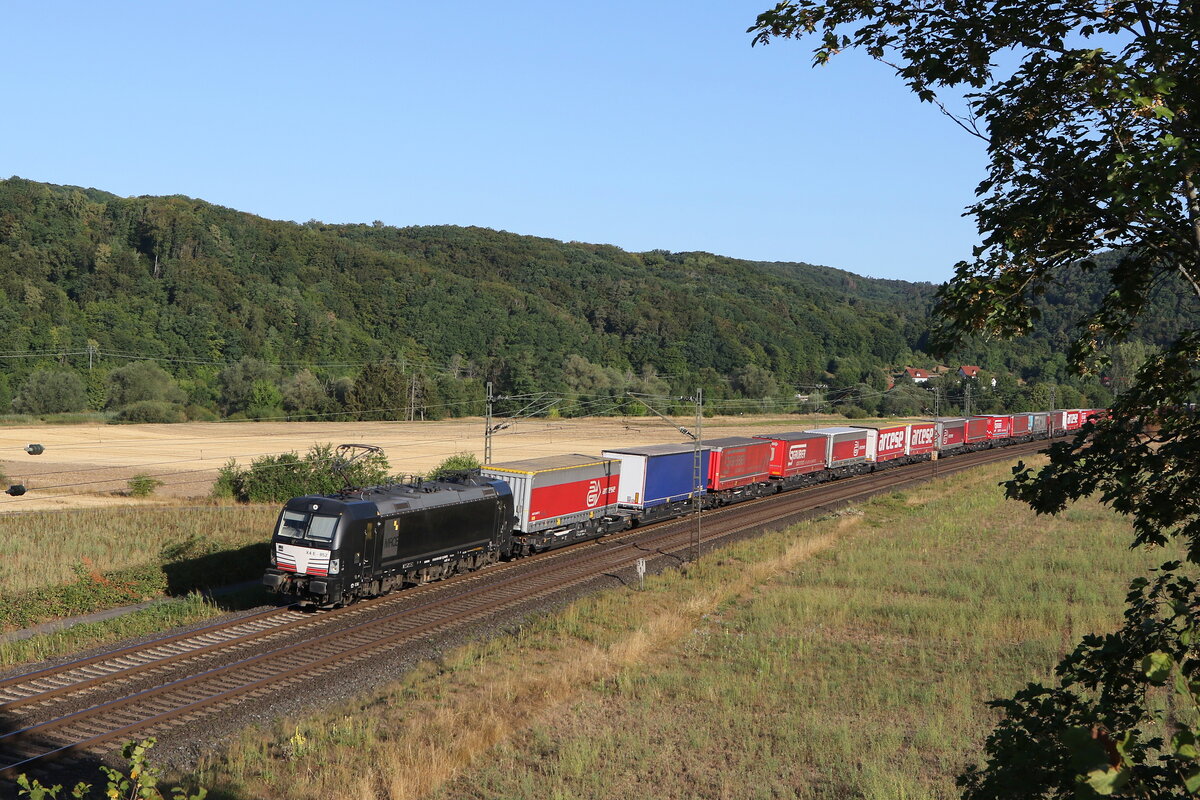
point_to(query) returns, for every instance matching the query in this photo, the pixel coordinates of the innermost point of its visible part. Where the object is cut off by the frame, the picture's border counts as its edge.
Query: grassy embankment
(847, 657)
(57, 564)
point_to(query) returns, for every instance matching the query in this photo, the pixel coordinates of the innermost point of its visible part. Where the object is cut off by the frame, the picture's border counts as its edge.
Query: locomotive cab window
(311, 528)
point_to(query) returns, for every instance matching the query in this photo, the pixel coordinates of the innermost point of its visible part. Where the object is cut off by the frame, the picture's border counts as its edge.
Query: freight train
(329, 550)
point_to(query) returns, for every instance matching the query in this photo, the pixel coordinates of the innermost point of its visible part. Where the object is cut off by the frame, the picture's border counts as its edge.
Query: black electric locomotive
(331, 549)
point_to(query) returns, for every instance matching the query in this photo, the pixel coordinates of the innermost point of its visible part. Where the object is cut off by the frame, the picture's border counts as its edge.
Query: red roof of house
(915, 372)
(969, 370)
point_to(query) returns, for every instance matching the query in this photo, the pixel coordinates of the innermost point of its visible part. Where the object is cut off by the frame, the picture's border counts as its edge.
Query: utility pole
(487, 426)
(1053, 405)
(697, 454)
(967, 406)
(698, 466)
(537, 406)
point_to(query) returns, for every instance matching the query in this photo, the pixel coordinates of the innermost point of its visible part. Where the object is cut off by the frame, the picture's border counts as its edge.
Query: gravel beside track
(193, 688)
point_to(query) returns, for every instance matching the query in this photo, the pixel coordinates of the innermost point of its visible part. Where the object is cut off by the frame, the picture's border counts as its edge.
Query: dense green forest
(163, 308)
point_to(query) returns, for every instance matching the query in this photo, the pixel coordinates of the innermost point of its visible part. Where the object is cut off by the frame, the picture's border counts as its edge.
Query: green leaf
(1157, 667)
(1106, 781)
(1184, 744)
(1191, 781)
(1087, 754)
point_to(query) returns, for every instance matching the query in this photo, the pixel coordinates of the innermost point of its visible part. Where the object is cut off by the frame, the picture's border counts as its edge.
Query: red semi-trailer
(844, 447)
(977, 430)
(997, 426)
(922, 438)
(795, 453)
(737, 461)
(559, 491)
(888, 443)
(952, 432)
(1022, 425)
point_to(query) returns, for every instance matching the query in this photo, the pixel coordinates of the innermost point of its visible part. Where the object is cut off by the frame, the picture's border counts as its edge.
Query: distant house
(970, 371)
(917, 375)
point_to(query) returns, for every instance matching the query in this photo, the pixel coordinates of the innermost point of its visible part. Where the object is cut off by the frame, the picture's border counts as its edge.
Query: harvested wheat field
(87, 466)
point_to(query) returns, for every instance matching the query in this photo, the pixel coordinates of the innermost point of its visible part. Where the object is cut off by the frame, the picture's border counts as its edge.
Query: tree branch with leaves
(1089, 113)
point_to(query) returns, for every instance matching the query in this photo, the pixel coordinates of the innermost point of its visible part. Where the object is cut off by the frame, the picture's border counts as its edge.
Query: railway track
(179, 678)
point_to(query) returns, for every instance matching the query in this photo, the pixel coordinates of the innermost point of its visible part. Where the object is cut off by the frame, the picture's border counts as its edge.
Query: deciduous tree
(1088, 111)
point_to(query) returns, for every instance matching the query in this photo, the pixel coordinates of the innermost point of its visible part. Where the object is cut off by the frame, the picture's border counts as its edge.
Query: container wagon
(922, 438)
(658, 481)
(998, 426)
(560, 499)
(738, 469)
(951, 432)
(797, 459)
(845, 450)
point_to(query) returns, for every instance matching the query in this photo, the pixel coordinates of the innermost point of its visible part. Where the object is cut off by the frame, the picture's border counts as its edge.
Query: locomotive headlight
(335, 566)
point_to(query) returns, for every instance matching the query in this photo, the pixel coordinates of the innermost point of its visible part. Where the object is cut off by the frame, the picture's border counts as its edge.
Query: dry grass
(42, 548)
(847, 657)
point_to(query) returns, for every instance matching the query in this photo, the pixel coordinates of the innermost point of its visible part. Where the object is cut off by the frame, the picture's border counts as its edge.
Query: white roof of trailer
(731, 441)
(654, 449)
(546, 463)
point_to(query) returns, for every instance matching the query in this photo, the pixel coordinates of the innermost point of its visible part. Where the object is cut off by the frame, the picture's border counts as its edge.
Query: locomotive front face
(305, 554)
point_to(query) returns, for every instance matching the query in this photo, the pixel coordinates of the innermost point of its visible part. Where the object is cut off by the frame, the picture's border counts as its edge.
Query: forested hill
(198, 286)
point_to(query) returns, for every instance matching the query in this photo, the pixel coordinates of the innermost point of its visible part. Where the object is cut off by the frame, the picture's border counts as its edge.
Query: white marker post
(640, 565)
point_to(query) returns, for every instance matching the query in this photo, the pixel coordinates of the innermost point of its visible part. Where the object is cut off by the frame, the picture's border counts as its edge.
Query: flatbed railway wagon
(558, 500)
(797, 459)
(845, 450)
(739, 468)
(658, 481)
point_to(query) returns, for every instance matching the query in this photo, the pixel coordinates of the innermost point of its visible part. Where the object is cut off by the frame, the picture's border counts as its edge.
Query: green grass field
(848, 657)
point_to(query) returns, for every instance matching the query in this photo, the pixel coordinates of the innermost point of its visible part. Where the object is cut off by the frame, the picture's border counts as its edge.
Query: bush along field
(851, 656)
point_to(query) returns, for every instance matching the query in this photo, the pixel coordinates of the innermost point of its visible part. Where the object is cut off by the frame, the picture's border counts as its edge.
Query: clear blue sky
(645, 125)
